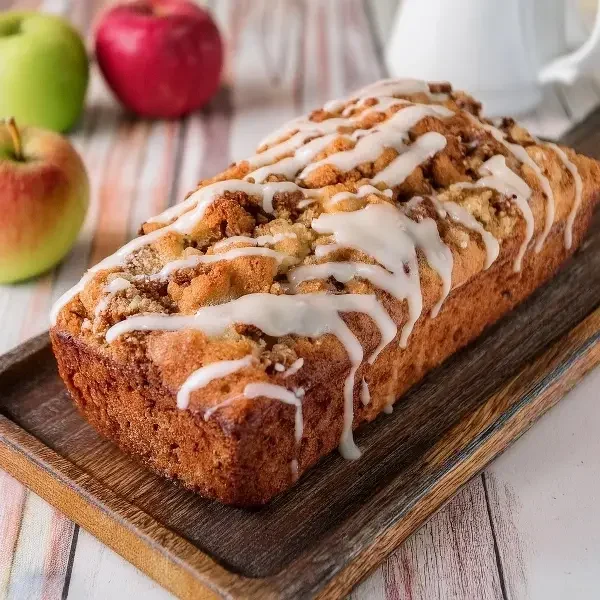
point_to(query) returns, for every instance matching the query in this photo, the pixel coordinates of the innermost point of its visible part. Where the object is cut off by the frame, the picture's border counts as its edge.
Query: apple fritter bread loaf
(254, 326)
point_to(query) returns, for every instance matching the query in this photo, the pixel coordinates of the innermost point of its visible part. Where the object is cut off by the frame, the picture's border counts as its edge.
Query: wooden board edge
(539, 385)
(177, 565)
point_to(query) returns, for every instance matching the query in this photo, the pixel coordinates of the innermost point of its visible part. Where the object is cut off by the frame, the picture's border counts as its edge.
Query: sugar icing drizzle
(383, 232)
(523, 156)
(204, 375)
(498, 176)
(202, 259)
(462, 216)
(273, 392)
(572, 168)
(187, 218)
(390, 134)
(294, 368)
(521, 153)
(365, 395)
(363, 191)
(310, 315)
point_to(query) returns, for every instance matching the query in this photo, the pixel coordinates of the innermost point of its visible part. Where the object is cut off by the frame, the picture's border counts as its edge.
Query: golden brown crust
(242, 454)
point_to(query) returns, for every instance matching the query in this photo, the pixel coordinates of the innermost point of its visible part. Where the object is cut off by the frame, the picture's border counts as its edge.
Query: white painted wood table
(529, 527)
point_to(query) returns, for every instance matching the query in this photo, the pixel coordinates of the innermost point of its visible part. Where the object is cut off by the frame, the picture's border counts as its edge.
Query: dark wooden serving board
(343, 518)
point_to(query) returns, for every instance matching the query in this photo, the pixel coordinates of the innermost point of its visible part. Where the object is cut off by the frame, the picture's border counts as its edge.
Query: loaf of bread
(254, 326)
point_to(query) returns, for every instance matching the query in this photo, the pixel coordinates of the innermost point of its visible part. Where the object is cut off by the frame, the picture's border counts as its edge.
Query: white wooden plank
(151, 192)
(14, 306)
(451, 556)
(373, 588)
(191, 157)
(41, 554)
(544, 494)
(99, 573)
(12, 495)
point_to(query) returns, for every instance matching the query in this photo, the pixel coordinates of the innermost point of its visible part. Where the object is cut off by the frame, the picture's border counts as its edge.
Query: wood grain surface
(287, 56)
(343, 517)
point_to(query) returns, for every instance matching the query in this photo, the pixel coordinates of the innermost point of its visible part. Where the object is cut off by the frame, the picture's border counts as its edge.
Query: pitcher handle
(566, 68)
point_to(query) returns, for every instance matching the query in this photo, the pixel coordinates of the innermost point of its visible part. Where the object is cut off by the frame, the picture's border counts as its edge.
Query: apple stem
(13, 130)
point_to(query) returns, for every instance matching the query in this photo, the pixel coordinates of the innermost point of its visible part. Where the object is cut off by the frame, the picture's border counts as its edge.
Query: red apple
(43, 199)
(162, 58)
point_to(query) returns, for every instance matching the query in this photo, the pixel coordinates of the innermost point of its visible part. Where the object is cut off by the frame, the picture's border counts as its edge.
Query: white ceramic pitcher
(501, 51)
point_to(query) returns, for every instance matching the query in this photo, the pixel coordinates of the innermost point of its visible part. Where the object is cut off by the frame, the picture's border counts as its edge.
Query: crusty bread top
(414, 162)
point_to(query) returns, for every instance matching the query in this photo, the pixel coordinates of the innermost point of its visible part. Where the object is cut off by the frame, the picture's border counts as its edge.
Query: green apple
(44, 192)
(43, 70)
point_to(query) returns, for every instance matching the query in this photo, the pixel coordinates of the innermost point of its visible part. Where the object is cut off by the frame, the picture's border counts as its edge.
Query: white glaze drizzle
(304, 203)
(386, 88)
(424, 147)
(201, 199)
(322, 250)
(311, 315)
(306, 129)
(391, 134)
(261, 240)
(184, 224)
(505, 181)
(462, 216)
(204, 375)
(290, 145)
(304, 126)
(361, 192)
(391, 238)
(114, 260)
(270, 189)
(294, 367)
(383, 87)
(383, 104)
(200, 259)
(572, 168)
(365, 395)
(521, 154)
(278, 392)
(289, 167)
(274, 392)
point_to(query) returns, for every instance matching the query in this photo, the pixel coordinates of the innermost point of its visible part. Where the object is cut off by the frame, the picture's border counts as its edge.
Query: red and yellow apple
(44, 193)
(162, 58)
